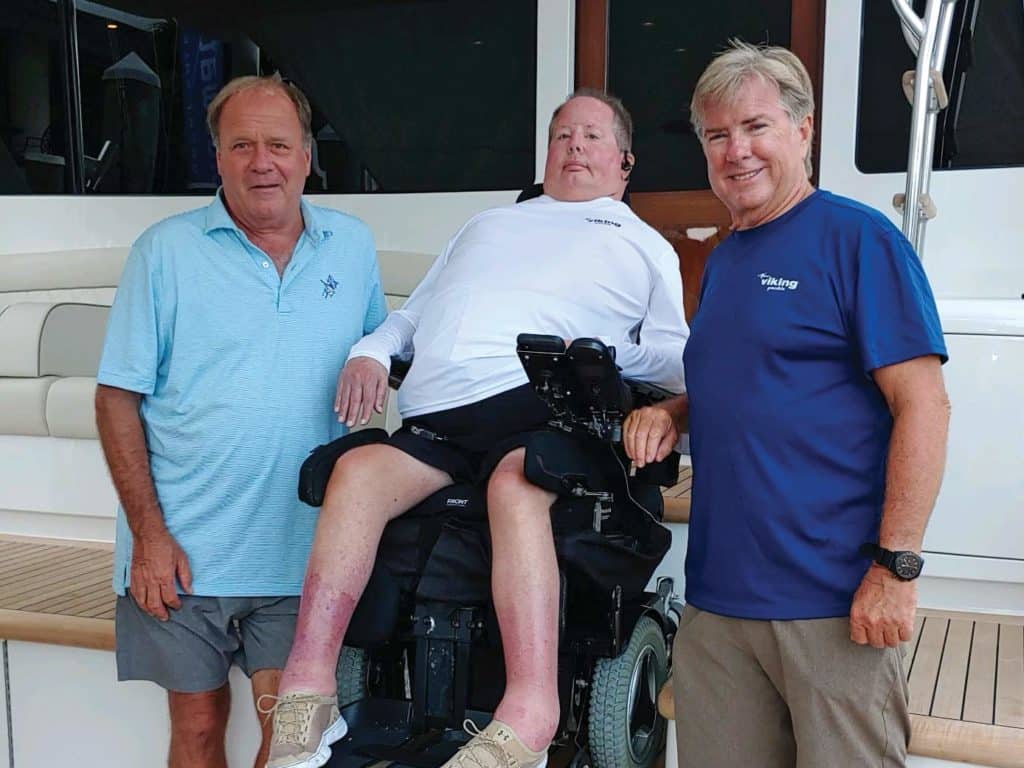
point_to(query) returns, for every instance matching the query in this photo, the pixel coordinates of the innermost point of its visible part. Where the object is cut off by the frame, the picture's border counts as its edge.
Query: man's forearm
(679, 409)
(917, 455)
(124, 446)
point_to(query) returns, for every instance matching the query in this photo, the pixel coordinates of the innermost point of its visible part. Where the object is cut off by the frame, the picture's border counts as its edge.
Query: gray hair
(269, 82)
(622, 122)
(740, 62)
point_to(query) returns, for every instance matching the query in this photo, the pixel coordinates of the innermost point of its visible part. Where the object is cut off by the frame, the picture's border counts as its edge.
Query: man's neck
(276, 239)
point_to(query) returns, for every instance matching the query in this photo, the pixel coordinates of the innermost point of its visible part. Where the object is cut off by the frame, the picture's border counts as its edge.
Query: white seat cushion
(23, 405)
(70, 408)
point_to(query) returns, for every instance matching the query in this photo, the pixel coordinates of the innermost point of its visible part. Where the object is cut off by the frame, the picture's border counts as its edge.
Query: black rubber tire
(616, 738)
(351, 675)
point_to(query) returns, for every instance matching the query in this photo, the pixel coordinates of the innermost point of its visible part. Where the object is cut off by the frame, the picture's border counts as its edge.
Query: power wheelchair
(423, 652)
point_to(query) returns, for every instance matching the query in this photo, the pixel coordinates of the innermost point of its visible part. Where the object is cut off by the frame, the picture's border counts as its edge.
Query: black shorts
(468, 442)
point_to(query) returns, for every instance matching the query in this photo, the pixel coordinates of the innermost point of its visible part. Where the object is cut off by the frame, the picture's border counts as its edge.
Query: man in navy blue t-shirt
(818, 421)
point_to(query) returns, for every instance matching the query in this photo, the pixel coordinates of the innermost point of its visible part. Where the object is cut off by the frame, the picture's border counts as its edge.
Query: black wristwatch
(905, 565)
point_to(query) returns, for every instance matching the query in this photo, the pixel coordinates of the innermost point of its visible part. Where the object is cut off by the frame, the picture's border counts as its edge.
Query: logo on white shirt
(772, 283)
(606, 222)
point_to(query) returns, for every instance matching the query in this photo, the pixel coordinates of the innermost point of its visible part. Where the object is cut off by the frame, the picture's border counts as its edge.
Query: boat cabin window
(407, 96)
(984, 75)
(656, 51)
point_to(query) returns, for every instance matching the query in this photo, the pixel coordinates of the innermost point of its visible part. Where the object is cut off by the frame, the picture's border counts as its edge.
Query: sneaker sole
(334, 732)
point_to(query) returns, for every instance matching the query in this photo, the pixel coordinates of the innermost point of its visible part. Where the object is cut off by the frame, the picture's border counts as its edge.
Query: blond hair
(730, 70)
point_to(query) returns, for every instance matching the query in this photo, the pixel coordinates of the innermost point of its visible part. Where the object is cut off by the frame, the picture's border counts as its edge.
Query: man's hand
(362, 385)
(157, 560)
(649, 434)
(883, 609)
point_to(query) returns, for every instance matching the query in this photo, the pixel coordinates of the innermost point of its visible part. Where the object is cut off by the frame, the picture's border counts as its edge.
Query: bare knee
(508, 489)
(199, 720)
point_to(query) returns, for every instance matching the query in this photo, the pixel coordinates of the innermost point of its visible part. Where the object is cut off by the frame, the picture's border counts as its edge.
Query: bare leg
(264, 683)
(524, 579)
(369, 486)
(198, 724)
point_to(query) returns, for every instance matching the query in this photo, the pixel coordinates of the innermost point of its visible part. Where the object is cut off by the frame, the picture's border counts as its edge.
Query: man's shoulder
(174, 230)
(338, 222)
(847, 211)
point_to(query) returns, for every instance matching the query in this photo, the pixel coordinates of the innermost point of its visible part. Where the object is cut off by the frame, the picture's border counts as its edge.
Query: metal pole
(919, 117)
(72, 96)
(937, 64)
(9, 708)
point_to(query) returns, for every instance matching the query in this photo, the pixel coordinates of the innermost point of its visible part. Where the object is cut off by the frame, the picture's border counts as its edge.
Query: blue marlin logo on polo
(772, 283)
(330, 286)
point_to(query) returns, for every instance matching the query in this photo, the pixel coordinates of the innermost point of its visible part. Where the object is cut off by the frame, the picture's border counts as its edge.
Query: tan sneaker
(305, 726)
(496, 746)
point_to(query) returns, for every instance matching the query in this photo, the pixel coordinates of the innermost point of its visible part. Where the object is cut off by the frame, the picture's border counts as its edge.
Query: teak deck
(965, 671)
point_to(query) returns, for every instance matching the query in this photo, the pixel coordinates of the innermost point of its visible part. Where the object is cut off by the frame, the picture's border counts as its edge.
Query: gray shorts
(193, 650)
(779, 694)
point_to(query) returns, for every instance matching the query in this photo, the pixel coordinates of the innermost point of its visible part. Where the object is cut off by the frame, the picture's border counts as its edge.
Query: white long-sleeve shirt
(543, 266)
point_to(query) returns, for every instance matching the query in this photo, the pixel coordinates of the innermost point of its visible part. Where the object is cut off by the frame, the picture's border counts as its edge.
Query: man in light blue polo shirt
(224, 344)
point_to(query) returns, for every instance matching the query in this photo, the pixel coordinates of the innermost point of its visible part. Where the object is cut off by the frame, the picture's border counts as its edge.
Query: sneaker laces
(292, 717)
(489, 746)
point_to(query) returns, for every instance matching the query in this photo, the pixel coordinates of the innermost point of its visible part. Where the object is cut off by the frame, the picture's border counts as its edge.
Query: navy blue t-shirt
(788, 431)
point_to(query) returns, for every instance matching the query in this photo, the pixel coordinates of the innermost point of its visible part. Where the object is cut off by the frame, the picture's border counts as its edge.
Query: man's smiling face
(755, 154)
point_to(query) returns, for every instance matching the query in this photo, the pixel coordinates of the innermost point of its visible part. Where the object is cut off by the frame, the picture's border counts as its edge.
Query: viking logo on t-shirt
(772, 283)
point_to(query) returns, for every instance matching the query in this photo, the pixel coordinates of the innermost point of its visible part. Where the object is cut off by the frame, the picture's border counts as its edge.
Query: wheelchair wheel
(351, 675)
(625, 729)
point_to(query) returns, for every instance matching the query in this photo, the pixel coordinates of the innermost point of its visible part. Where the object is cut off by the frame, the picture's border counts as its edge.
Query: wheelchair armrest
(399, 368)
(646, 393)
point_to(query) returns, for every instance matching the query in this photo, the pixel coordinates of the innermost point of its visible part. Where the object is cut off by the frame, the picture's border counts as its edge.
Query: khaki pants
(779, 694)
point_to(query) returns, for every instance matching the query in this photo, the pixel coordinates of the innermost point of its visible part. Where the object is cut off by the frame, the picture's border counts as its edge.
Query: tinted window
(407, 96)
(984, 74)
(33, 131)
(656, 52)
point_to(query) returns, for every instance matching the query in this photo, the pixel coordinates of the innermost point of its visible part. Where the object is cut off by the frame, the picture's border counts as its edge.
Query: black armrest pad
(316, 469)
(648, 393)
(399, 368)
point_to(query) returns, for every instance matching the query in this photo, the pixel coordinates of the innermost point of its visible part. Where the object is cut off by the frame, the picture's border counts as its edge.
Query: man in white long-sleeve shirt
(573, 262)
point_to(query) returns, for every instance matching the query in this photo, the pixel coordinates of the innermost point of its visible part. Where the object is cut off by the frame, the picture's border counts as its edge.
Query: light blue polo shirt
(237, 367)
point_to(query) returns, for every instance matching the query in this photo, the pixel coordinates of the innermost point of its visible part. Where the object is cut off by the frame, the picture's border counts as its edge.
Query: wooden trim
(592, 44)
(674, 210)
(677, 509)
(958, 741)
(53, 629)
(807, 41)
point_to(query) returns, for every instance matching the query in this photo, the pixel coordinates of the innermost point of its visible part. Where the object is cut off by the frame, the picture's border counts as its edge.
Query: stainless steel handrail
(931, 35)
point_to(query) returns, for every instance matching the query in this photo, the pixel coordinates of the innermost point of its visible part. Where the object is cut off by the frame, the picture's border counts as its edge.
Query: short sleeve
(894, 313)
(133, 347)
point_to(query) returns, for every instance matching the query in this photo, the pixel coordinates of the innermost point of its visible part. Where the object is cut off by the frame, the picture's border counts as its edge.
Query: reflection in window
(32, 121)
(984, 75)
(407, 96)
(656, 51)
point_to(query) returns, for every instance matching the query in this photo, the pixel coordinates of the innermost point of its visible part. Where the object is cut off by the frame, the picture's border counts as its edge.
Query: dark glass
(33, 129)
(407, 95)
(656, 51)
(984, 74)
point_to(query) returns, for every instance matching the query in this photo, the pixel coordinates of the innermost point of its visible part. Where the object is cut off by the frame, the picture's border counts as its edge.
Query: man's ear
(628, 161)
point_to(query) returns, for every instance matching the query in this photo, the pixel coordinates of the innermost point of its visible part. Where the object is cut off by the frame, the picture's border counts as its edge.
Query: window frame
(677, 210)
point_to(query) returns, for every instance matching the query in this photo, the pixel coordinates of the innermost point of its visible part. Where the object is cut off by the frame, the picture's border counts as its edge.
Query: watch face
(907, 565)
